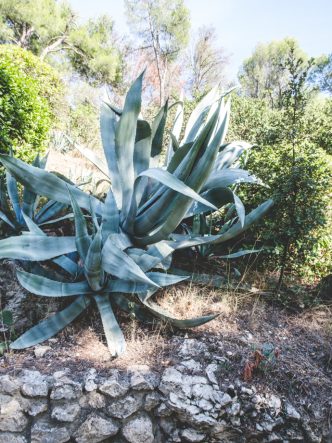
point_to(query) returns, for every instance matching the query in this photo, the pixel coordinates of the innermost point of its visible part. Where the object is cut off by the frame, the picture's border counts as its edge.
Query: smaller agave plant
(12, 213)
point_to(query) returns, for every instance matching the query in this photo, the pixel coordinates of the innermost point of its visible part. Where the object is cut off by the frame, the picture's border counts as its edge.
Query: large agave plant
(124, 251)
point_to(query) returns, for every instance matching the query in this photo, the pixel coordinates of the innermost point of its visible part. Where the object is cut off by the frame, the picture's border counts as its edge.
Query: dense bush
(29, 94)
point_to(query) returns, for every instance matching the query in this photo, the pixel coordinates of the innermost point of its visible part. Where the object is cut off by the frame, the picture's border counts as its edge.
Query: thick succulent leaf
(36, 247)
(197, 117)
(52, 325)
(228, 177)
(4, 217)
(217, 196)
(162, 280)
(125, 133)
(132, 308)
(64, 262)
(57, 220)
(158, 129)
(117, 263)
(181, 324)
(110, 216)
(107, 128)
(142, 149)
(176, 131)
(250, 219)
(39, 285)
(93, 158)
(47, 184)
(178, 156)
(114, 336)
(13, 193)
(82, 237)
(241, 212)
(240, 253)
(92, 265)
(230, 154)
(48, 211)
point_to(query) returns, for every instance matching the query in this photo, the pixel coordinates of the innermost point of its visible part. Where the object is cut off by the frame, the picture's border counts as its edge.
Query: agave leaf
(82, 238)
(178, 156)
(93, 158)
(35, 247)
(64, 262)
(49, 210)
(107, 128)
(47, 184)
(142, 149)
(240, 253)
(231, 153)
(110, 216)
(4, 217)
(228, 177)
(114, 336)
(119, 264)
(176, 130)
(130, 307)
(39, 285)
(125, 141)
(13, 194)
(197, 117)
(241, 212)
(52, 325)
(181, 324)
(56, 220)
(158, 128)
(92, 265)
(250, 219)
(217, 196)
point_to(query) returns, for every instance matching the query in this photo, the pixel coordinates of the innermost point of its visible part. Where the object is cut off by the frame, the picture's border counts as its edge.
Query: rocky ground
(257, 373)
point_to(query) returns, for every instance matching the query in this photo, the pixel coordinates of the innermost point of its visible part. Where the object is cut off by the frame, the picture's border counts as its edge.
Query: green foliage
(263, 76)
(48, 27)
(29, 91)
(124, 245)
(322, 74)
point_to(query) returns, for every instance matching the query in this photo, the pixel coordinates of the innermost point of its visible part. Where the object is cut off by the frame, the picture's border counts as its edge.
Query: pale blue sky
(241, 24)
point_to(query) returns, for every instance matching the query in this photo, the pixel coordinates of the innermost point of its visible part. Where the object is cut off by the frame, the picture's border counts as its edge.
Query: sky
(242, 24)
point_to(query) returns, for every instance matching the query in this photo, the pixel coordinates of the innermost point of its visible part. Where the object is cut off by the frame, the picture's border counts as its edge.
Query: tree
(162, 27)
(49, 27)
(263, 76)
(322, 73)
(30, 93)
(206, 62)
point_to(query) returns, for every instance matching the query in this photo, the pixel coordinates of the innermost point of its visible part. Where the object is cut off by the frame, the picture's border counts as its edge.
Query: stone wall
(185, 402)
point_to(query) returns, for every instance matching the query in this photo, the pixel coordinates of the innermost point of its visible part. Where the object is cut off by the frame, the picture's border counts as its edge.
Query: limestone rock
(67, 412)
(211, 373)
(34, 384)
(115, 385)
(192, 348)
(93, 400)
(95, 429)
(125, 407)
(40, 351)
(36, 407)
(12, 418)
(291, 412)
(90, 380)
(142, 378)
(65, 389)
(139, 430)
(152, 399)
(7, 437)
(8, 384)
(44, 432)
(192, 435)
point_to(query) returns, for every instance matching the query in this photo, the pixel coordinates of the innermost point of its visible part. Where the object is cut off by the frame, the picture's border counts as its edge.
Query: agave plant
(12, 213)
(124, 254)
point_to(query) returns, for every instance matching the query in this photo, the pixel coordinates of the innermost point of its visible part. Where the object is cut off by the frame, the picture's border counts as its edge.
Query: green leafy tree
(263, 76)
(322, 74)
(30, 92)
(48, 27)
(162, 28)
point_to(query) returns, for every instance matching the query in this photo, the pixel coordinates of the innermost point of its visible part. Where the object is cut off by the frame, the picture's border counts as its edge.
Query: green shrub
(310, 226)
(29, 94)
